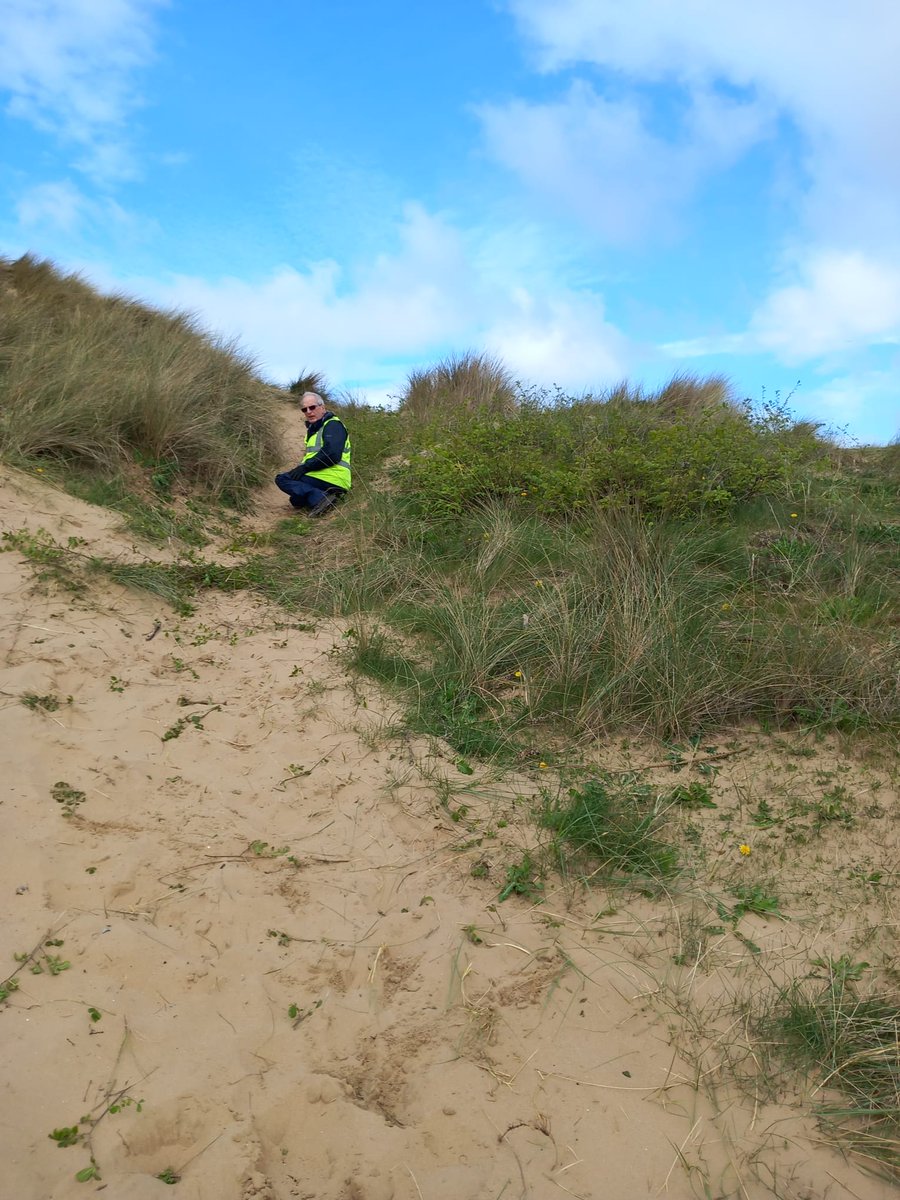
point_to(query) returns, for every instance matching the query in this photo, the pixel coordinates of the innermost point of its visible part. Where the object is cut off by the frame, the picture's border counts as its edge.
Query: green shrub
(572, 455)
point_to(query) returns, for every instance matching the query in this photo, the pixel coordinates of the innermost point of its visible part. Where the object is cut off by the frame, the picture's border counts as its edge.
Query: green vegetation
(108, 385)
(846, 1040)
(613, 827)
(530, 573)
(70, 798)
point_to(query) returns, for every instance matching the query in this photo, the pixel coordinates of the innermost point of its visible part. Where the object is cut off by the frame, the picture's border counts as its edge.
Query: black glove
(297, 473)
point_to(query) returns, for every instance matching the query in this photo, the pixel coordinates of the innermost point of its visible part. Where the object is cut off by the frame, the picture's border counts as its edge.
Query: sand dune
(281, 970)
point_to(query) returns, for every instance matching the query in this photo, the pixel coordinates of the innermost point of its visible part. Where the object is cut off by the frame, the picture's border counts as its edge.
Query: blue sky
(588, 189)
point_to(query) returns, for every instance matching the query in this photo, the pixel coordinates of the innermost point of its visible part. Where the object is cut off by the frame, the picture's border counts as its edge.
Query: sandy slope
(419, 1064)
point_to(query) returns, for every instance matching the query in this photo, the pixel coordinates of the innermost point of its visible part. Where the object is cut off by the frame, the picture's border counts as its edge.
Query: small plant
(116, 684)
(753, 898)
(74, 1135)
(94, 1013)
(65, 1137)
(615, 824)
(848, 1041)
(298, 1014)
(520, 879)
(169, 1175)
(835, 806)
(764, 817)
(473, 935)
(692, 795)
(47, 704)
(264, 850)
(38, 962)
(63, 793)
(195, 720)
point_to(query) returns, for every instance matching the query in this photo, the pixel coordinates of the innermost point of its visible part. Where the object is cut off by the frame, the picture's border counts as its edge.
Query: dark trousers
(306, 492)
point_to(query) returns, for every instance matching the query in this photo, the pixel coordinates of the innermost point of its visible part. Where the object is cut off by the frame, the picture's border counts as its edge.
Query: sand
(282, 971)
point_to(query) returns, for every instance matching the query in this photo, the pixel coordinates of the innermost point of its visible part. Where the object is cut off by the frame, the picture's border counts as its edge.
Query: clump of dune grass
(848, 1045)
(311, 381)
(463, 383)
(610, 830)
(91, 381)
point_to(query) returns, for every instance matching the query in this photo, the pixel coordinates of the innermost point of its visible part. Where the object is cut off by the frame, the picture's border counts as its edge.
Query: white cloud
(841, 300)
(560, 339)
(68, 66)
(600, 159)
(828, 67)
(867, 400)
(60, 207)
(838, 301)
(440, 291)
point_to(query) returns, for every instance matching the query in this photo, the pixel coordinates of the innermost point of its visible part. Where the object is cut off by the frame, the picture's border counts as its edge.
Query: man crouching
(323, 477)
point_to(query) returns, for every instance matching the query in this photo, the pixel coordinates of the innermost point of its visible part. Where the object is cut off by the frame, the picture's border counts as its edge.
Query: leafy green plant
(81, 1133)
(264, 850)
(195, 720)
(69, 797)
(692, 795)
(835, 805)
(521, 879)
(753, 898)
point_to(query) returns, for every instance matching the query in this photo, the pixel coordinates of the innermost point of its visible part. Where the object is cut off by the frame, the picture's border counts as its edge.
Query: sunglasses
(308, 407)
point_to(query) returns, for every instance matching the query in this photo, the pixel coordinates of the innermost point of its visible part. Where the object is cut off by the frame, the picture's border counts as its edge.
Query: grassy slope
(522, 631)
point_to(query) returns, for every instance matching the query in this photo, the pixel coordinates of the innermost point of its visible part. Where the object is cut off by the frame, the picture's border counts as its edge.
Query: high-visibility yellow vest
(339, 474)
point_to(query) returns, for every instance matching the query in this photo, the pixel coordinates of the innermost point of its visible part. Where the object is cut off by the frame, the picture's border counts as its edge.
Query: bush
(574, 455)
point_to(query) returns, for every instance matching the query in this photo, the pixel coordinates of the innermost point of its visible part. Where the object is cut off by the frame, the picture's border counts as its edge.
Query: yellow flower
(543, 766)
(518, 674)
(794, 516)
(744, 849)
(726, 607)
(538, 583)
(523, 493)
(40, 470)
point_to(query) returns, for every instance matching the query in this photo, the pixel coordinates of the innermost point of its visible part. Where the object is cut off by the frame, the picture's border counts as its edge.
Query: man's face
(311, 408)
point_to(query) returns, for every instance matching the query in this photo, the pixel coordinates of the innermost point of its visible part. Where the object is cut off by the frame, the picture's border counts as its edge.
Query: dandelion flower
(726, 607)
(744, 849)
(518, 674)
(40, 470)
(523, 493)
(543, 766)
(538, 583)
(793, 516)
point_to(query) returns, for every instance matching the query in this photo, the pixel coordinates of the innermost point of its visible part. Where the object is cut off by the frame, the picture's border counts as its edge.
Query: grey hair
(315, 396)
